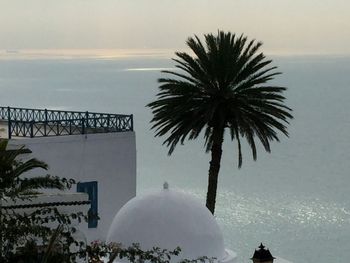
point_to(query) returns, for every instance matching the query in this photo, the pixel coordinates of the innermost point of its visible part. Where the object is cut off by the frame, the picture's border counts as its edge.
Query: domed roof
(168, 219)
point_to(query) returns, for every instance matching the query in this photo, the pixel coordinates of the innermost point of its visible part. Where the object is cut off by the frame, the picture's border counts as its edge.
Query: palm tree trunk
(214, 168)
(1, 228)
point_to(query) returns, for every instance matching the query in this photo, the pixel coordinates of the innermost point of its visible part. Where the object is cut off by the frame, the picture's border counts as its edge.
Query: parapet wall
(24, 122)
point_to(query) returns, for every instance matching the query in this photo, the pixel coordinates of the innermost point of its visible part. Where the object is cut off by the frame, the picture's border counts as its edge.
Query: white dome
(168, 219)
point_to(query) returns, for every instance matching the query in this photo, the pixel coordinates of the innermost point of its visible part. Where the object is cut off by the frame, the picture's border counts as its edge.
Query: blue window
(91, 189)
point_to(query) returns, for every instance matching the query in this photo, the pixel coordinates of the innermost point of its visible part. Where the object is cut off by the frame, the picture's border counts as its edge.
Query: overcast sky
(285, 26)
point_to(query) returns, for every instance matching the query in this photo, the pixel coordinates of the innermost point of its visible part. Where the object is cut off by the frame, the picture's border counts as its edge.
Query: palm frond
(27, 166)
(225, 84)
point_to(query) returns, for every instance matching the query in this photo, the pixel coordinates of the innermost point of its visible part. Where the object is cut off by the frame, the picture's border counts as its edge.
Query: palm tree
(223, 87)
(12, 169)
(14, 186)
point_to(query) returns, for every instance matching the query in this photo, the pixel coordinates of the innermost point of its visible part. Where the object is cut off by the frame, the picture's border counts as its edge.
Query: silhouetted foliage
(24, 235)
(113, 251)
(222, 87)
(45, 235)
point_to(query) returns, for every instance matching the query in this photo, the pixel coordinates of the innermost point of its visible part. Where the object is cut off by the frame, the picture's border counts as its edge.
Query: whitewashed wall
(108, 158)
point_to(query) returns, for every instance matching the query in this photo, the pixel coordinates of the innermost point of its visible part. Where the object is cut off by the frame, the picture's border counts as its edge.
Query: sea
(295, 200)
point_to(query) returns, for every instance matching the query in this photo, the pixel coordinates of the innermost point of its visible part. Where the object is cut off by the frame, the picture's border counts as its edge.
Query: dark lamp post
(262, 255)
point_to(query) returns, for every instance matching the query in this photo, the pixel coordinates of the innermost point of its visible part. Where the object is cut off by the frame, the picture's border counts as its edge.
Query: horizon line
(115, 53)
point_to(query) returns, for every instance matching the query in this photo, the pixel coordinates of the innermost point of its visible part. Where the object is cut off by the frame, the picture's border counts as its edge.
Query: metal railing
(24, 122)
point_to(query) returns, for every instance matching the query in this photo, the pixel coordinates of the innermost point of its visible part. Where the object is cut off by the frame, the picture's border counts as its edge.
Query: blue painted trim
(92, 190)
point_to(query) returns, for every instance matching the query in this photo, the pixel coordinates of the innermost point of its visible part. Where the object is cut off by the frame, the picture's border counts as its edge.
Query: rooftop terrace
(22, 122)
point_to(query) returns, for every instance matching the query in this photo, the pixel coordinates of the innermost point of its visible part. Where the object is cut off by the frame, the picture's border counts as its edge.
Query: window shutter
(91, 189)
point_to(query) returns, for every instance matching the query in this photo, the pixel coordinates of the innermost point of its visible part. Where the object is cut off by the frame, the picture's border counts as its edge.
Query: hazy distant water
(296, 199)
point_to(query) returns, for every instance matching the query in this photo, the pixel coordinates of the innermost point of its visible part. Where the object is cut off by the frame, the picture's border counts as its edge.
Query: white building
(97, 150)
(168, 219)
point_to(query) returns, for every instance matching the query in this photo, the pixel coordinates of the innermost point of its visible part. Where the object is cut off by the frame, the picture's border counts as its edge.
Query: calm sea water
(295, 200)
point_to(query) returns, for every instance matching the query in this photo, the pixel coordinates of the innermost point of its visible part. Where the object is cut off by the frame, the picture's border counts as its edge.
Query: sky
(284, 26)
